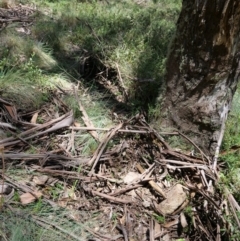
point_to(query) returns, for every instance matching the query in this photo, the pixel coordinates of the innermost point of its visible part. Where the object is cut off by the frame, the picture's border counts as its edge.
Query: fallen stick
(108, 129)
(85, 118)
(152, 183)
(121, 191)
(201, 152)
(63, 121)
(125, 95)
(27, 156)
(110, 198)
(101, 148)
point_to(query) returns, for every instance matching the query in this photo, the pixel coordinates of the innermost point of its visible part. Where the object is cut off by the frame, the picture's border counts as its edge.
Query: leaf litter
(137, 184)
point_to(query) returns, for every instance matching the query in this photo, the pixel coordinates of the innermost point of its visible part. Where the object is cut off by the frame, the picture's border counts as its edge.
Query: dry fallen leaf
(34, 118)
(41, 180)
(28, 197)
(175, 198)
(76, 124)
(183, 220)
(130, 177)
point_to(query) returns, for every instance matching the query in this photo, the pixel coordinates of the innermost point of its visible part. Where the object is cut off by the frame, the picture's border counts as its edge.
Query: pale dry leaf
(146, 204)
(34, 118)
(76, 124)
(130, 177)
(28, 197)
(166, 237)
(175, 198)
(40, 180)
(157, 228)
(183, 220)
(61, 124)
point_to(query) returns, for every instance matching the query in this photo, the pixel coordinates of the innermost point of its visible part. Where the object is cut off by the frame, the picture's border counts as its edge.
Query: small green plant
(114, 216)
(169, 178)
(56, 191)
(16, 197)
(188, 211)
(159, 218)
(38, 206)
(76, 182)
(31, 69)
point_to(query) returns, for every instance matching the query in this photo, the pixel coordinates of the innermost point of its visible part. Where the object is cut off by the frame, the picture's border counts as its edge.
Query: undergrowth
(231, 149)
(39, 222)
(119, 41)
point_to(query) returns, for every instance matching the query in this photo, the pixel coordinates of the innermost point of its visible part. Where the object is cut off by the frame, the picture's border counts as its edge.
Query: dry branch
(54, 125)
(111, 198)
(152, 183)
(102, 146)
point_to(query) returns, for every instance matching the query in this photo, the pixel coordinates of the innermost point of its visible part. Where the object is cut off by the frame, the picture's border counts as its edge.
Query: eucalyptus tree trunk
(203, 70)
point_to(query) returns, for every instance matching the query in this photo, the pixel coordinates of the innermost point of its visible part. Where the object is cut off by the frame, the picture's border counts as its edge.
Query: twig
(102, 146)
(3, 175)
(160, 234)
(25, 188)
(233, 205)
(53, 125)
(157, 135)
(151, 231)
(122, 84)
(85, 117)
(47, 155)
(201, 152)
(93, 32)
(125, 190)
(152, 183)
(110, 198)
(102, 237)
(182, 156)
(3, 235)
(108, 129)
(3, 20)
(7, 125)
(124, 232)
(76, 175)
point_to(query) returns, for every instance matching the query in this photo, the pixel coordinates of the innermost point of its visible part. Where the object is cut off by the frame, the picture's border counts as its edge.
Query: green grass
(230, 173)
(231, 147)
(121, 36)
(98, 113)
(96, 39)
(40, 222)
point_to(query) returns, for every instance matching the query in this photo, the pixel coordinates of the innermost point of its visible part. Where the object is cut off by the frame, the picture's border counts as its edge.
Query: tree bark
(203, 70)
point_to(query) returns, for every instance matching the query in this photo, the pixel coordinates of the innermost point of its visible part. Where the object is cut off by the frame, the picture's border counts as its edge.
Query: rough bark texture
(203, 70)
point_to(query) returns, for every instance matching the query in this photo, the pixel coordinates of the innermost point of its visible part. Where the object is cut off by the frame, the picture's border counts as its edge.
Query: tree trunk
(203, 70)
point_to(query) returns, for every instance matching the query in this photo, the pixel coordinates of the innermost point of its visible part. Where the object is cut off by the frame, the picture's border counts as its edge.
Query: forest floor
(130, 185)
